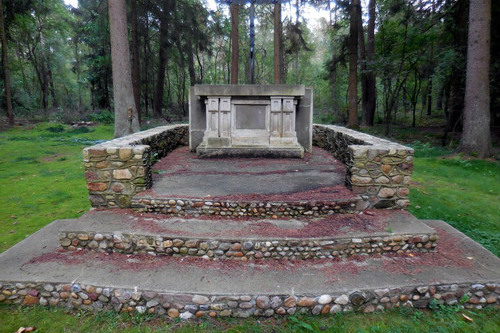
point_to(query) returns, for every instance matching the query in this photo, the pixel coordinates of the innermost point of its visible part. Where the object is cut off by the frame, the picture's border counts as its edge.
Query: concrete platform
(182, 174)
(459, 267)
(248, 187)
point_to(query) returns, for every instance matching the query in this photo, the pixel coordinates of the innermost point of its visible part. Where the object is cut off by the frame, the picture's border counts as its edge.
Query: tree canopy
(411, 58)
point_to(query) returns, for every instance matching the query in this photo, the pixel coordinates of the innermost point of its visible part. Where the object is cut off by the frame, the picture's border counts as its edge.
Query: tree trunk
(235, 37)
(55, 104)
(190, 59)
(371, 81)
(136, 66)
(277, 42)
(126, 118)
(145, 67)
(353, 65)
(456, 91)
(162, 65)
(362, 64)
(44, 85)
(476, 137)
(6, 69)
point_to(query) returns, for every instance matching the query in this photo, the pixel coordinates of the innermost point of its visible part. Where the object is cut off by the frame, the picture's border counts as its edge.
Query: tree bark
(190, 58)
(6, 69)
(370, 102)
(277, 42)
(126, 118)
(362, 64)
(162, 65)
(235, 37)
(50, 78)
(353, 65)
(136, 66)
(476, 138)
(455, 100)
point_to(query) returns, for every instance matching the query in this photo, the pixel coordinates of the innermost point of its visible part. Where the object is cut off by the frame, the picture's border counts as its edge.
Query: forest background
(412, 53)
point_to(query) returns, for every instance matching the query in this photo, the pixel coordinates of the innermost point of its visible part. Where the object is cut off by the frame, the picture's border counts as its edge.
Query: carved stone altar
(250, 120)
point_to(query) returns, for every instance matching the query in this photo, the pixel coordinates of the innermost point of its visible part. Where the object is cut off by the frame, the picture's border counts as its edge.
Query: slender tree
(136, 66)
(162, 65)
(353, 64)
(277, 42)
(126, 118)
(370, 100)
(235, 36)
(6, 70)
(476, 138)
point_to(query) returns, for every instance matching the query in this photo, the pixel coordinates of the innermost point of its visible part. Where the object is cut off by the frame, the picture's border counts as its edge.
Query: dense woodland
(407, 58)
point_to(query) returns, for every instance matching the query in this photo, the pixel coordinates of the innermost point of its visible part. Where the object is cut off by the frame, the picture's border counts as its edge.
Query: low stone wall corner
(377, 169)
(118, 169)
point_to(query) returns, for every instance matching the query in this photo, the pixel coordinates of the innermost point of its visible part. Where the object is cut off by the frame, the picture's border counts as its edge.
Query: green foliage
(461, 191)
(42, 177)
(105, 117)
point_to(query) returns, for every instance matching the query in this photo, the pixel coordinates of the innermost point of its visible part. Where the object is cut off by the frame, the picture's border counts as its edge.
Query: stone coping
(366, 141)
(250, 90)
(135, 139)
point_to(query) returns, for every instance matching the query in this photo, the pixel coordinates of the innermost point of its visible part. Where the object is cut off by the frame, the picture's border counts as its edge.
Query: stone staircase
(187, 237)
(333, 236)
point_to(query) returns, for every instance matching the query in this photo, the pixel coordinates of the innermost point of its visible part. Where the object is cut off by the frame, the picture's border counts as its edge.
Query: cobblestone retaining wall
(378, 170)
(242, 208)
(116, 170)
(246, 249)
(187, 306)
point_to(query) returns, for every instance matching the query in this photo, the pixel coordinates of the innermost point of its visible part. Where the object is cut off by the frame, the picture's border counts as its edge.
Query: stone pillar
(283, 121)
(218, 132)
(289, 120)
(276, 119)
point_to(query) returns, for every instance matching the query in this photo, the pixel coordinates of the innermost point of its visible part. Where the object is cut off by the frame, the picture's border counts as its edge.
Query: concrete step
(37, 271)
(261, 187)
(371, 232)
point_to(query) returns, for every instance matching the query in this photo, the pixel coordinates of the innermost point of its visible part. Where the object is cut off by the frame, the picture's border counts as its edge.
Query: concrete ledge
(272, 152)
(376, 232)
(250, 90)
(115, 170)
(379, 170)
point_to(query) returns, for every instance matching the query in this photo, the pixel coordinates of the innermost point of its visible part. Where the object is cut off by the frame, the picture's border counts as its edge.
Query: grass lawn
(42, 180)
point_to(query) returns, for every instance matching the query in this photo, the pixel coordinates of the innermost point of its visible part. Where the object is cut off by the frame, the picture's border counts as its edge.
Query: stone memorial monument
(250, 120)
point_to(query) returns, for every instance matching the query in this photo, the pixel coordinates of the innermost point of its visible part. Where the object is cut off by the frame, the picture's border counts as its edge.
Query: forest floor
(42, 180)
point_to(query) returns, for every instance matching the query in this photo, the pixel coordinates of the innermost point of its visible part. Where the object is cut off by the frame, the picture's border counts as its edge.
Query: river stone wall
(239, 208)
(187, 306)
(246, 249)
(116, 170)
(378, 170)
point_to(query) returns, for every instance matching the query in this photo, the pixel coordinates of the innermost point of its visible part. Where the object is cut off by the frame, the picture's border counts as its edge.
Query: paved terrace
(184, 175)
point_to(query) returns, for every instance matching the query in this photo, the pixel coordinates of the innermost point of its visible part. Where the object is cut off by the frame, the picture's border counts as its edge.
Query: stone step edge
(177, 206)
(188, 305)
(247, 249)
